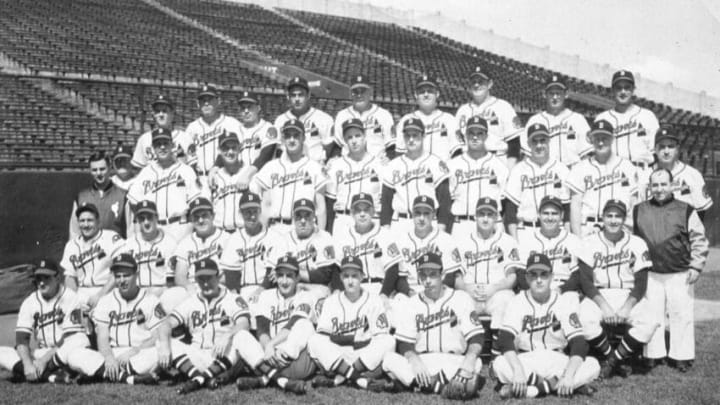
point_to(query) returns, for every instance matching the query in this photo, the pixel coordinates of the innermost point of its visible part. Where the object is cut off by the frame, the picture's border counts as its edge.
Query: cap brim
(287, 266)
(226, 140)
(426, 83)
(304, 208)
(360, 127)
(595, 132)
(122, 154)
(162, 102)
(423, 205)
(207, 93)
(351, 266)
(536, 134)
(429, 266)
(486, 207)
(206, 272)
(123, 266)
(555, 84)
(659, 138)
(145, 211)
(484, 128)
(200, 208)
(160, 137)
(249, 204)
(556, 204)
(44, 271)
(359, 85)
(301, 85)
(248, 100)
(615, 207)
(293, 127)
(538, 266)
(406, 127)
(357, 202)
(623, 79)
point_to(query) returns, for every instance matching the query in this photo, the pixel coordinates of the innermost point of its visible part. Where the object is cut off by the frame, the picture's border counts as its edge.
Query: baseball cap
(431, 261)
(617, 204)
(293, 124)
(361, 198)
(123, 261)
(424, 201)
(298, 81)
(351, 262)
(666, 132)
(303, 204)
(207, 90)
(601, 127)
(161, 133)
(425, 80)
(87, 207)
(288, 262)
(206, 267)
(146, 206)
(550, 200)
(478, 76)
(623, 75)
(555, 81)
(477, 122)
(200, 204)
(247, 97)
(352, 123)
(121, 151)
(227, 137)
(414, 123)
(359, 81)
(537, 130)
(486, 202)
(46, 267)
(538, 261)
(162, 100)
(249, 199)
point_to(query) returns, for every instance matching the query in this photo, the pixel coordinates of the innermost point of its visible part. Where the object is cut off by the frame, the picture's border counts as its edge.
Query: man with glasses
(163, 109)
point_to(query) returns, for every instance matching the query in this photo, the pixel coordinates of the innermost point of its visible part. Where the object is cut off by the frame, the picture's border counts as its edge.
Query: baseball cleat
(189, 386)
(248, 383)
(323, 381)
(296, 387)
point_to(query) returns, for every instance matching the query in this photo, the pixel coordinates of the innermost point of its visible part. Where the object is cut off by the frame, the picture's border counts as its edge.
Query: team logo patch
(241, 303)
(319, 306)
(705, 192)
(575, 320)
(646, 256)
(329, 252)
(393, 250)
(382, 322)
(304, 308)
(444, 168)
(456, 256)
(160, 311)
(514, 256)
(475, 318)
(76, 316)
(140, 317)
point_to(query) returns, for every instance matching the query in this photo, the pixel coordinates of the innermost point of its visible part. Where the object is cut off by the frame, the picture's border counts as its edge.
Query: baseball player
(170, 184)
(51, 316)
(634, 127)
(440, 132)
(531, 180)
(372, 244)
(284, 316)
(377, 122)
(124, 172)
(473, 174)
(439, 338)
(205, 131)
(293, 176)
(86, 258)
(225, 191)
(125, 321)
(504, 125)
(598, 179)
(614, 265)
(553, 241)
(356, 172)
(568, 130)
(251, 252)
(490, 261)
(688, 184)
(318, 140)
(539, 327)
(415, 173)
(218, 321)
(164, 115)
(352, 331)
(425, 238)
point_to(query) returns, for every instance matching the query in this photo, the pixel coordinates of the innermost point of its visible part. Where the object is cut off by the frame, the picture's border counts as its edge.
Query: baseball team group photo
(227, 201)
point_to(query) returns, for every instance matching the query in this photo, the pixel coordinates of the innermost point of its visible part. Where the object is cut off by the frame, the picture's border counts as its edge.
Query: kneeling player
(352, 332)
(439, 338)
(539, 325)
(52, 314)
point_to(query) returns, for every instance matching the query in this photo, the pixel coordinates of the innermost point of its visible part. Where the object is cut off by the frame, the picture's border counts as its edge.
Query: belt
(533, 224)
(592, 219)
(170, 220)
(281, 220)
(375, 280)
(202, 173)
(643, 165)
(459, 218)
(404, 216)
(343, 212)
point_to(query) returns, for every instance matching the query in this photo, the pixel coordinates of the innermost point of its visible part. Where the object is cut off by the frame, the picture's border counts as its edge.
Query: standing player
(377, 122)
(318, 140)
(415, 173)
(348, 175)
(634, 127)
(86, 258)
(530, 181)
(51, 316)
(224, 190)
(352, 331)
(539, 325)
(598, 179)
(474, 174)
(615, 265)
(164, 115)
(440, 133)
(504, 125)
(568, 130)
(439, 338)
(170, 184)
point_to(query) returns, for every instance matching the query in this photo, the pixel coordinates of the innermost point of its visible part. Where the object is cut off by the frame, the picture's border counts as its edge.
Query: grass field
(662, 386)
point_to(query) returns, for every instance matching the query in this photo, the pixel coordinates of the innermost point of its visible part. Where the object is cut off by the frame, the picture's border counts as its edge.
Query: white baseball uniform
(688, 185)
(377, 249)
(440, 138)
(144, 152)
(193, 248)
(503, 122)
(252, 256)
(153, 259)
(89, 261)
(378, 124)
(205, 137)
(569, 140)
(313, 252)
(255, 139)
(318, 131)
(226, 200)
(634, 133)
(562, 250)
(413, 248)
(346, 178)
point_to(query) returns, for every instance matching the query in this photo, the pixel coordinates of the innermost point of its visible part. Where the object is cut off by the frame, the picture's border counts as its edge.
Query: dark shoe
(189, 386)
(249, 383)
(606, 370)
(683, 366)
(377, 385)
(323, 381)
(143, 379)
(297, 387)
(623, 370)
(59, 377)
(587, 390)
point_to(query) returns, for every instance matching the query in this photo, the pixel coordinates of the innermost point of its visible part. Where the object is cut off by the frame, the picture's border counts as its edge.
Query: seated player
(539, 326)
(215, 317)
(439, 338)
(51, 315)
(614, 271)
(284, 317)
(352, 332)
(490, 264)
(125, 322)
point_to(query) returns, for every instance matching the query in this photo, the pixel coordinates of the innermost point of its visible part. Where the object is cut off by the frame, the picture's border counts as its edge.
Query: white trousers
(671, 295)
(547, 364)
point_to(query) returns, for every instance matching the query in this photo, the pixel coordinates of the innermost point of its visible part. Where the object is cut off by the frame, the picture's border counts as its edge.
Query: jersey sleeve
(263, 305)
(399, 139)
(136, 192)
(341, 117)
(513, 318)
(387, 124)
(261, 181)
(73, 314)
(237, 307)
(101, 313)
(319, 176)
(192, 184)
(230, 260)
(270, 136)
(406, 329)
(564, 193)
(569, 316)
(326, 129)
(325, 251)
(575, 181)
(455, 140)
(181, 252)
(276, 247)
(513, 188)
(155, 312)
(502, 173)
(25, 320)
(470, 324)
(700, 198)
(642, 255)
(390, 251)
(582, 131)
(451, 259)
(325, 307)
(183, 312)
(331, 187)
(139, 158)
(377, 318)
(440, 172)
(304, 306)
(65, 263)
(512, 125)
(511, 251)
(387, 175)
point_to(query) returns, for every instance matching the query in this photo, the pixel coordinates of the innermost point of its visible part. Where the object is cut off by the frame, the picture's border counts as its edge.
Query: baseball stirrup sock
(602, 344)
(266, 370)
(185, 366)
(218, 365)
(495, 346)
(628, 345)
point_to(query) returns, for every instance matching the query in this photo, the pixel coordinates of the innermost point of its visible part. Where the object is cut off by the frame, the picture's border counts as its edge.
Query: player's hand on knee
(112, 368)
(281, 359)
(565, 386)
(422, 374)
(124, 358)
(693, 276)
(221, 346)
(164, 358)
(31, 372)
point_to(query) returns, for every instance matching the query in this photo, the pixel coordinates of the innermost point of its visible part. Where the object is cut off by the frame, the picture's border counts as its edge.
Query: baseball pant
(89, 361)
(201, 359)
(9, 356)
(547, 364)
(447, 364)
(641, 320)
(329, 355)
(671, 294)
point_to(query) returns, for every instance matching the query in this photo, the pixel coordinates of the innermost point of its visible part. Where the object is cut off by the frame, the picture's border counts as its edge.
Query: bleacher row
(132, 39)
